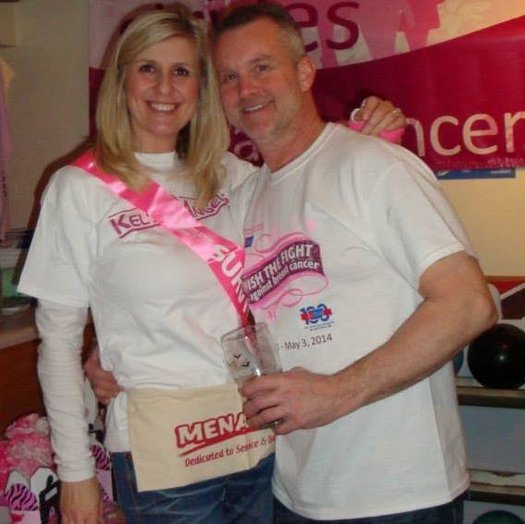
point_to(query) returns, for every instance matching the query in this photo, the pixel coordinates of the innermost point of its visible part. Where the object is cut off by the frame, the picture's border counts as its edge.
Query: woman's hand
(81, 502)
(379, 117)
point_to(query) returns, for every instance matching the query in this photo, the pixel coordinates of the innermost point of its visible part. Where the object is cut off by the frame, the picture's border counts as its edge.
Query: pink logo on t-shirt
(125, 222)
(212, 208)
(286, 271)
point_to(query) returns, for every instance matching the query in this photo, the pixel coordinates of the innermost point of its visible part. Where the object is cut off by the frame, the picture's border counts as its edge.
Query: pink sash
(224, 258)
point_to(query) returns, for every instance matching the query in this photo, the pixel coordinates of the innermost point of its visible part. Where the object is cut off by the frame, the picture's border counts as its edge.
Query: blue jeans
(240, 498)
(450, 513)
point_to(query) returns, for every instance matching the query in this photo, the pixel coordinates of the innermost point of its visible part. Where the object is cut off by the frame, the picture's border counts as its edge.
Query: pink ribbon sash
(225, 258)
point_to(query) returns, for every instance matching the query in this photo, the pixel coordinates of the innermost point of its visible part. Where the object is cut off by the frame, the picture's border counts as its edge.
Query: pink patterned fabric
(26, 448)
(20, 497)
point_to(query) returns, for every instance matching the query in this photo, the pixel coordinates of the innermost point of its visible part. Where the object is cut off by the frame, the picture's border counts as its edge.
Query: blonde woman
(157, 309)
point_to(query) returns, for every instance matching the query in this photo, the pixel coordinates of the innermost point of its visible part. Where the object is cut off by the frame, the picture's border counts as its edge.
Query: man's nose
(247, 85)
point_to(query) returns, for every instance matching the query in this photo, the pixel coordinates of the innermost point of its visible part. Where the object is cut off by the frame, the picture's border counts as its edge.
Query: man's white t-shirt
(336, 242)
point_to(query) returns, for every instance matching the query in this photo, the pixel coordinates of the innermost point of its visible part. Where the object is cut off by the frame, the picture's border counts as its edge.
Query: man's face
(262, 88)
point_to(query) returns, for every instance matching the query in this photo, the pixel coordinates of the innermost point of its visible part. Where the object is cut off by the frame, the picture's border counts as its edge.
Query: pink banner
(465, 97)
(454, 66)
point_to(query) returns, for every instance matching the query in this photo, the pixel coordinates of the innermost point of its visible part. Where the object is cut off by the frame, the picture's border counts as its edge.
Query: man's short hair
(243, 13)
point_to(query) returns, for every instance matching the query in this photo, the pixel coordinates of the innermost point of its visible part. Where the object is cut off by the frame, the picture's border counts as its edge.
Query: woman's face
(162, 93)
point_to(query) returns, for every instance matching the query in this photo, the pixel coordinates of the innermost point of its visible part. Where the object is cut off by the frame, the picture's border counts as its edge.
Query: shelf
(497, 487)
(17, 328)
(470, 394)
(493, 486)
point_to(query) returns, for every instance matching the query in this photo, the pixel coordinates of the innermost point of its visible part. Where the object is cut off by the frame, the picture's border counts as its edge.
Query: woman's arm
(61, 377)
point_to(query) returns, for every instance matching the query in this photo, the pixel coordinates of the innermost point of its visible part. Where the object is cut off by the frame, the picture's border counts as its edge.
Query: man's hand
(297, 399)
(81, 502)
(378, 116)
(103, 382)
(456, 308)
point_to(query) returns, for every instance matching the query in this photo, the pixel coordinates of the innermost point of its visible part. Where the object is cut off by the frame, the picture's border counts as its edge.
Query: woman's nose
(164, 83)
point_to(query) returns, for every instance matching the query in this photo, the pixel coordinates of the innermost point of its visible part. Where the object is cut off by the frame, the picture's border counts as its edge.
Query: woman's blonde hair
(205, 138)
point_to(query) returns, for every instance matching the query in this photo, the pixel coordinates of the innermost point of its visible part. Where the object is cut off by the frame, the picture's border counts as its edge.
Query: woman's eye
(182, 71)
(146, 68)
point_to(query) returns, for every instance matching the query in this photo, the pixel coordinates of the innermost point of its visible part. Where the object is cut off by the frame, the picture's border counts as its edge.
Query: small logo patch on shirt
(311, 315)
(125, 222)
(213, 207)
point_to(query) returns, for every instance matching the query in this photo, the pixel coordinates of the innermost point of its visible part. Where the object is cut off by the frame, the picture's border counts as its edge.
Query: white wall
(493, 212)
(48, 96)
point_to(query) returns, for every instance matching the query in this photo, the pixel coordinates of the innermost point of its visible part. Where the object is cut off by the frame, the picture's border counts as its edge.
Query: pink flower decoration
(26, 449)
(29, 452)
(28, 424)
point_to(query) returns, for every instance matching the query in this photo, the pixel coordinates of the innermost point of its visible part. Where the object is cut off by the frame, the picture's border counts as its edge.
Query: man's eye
(260, 68)
(228, 77)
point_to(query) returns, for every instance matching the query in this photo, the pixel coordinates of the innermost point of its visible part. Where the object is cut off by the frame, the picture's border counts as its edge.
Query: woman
(157, 309)
(157, 104)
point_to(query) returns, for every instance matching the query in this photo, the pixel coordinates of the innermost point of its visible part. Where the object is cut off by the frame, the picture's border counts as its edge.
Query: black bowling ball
(497, 357)
(498, 517)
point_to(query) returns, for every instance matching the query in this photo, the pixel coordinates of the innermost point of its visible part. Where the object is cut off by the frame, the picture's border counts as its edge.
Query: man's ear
(306, 73)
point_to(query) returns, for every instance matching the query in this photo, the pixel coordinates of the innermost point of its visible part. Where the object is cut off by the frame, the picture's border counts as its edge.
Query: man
(361, 270)
(365, 277)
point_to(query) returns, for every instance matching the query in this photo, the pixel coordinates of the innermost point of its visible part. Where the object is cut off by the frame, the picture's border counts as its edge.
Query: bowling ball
(496, 358)
(498, 517)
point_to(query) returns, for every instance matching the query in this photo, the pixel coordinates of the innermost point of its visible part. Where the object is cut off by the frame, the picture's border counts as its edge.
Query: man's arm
(103, 382)
(457, 306)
